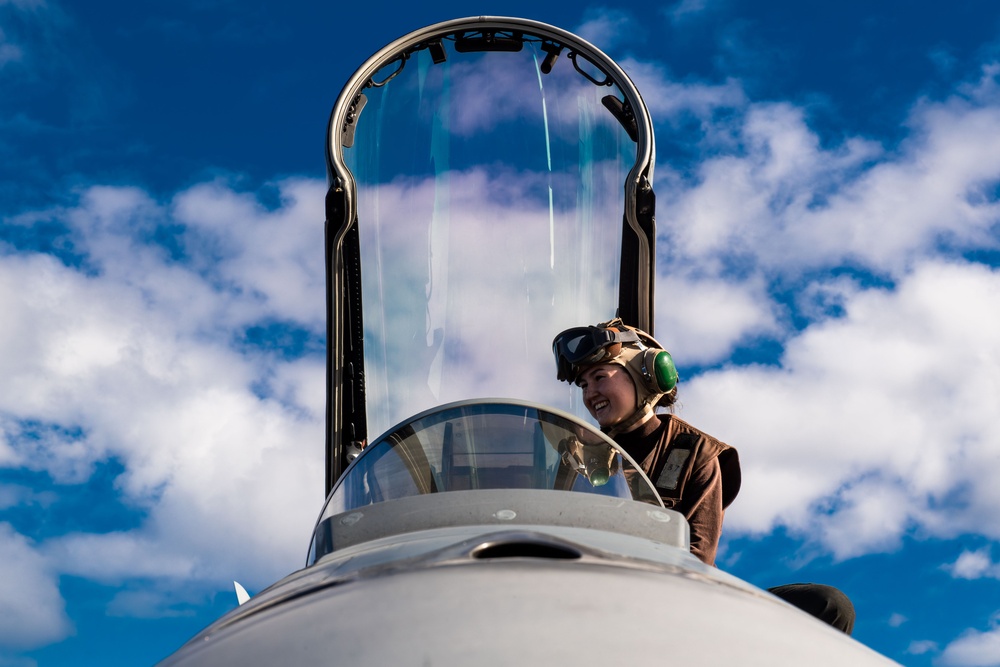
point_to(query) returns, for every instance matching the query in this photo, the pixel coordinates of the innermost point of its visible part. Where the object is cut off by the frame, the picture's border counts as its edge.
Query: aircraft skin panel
(518, 593)
(422, 549)
(499, 508)
(522, 610)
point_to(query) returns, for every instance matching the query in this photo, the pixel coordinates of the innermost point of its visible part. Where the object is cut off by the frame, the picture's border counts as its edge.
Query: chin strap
(637, 419)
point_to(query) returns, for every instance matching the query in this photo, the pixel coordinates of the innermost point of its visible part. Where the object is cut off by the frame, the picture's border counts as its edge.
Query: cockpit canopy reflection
(486, 444)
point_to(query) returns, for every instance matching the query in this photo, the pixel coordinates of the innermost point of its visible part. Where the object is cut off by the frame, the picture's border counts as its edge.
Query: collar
(639, 442)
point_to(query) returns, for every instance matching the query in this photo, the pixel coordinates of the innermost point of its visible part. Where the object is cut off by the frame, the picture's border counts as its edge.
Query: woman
(624, 375)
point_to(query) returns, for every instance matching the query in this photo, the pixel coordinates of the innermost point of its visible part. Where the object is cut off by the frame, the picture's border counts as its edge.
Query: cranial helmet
(650, 366)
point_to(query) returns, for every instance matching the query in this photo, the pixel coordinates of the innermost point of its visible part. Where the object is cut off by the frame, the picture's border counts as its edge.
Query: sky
(828, 247)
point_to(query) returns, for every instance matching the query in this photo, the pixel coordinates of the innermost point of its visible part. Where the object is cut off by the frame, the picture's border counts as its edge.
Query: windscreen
(490, 198)
(488, 445)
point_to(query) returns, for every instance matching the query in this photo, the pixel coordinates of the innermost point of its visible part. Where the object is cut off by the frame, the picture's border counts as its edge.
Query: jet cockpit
(457, 464)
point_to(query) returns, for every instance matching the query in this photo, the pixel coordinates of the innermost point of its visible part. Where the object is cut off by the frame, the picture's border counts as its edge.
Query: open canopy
(489, 187)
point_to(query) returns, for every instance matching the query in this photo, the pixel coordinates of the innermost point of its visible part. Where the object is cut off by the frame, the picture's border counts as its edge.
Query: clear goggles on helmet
(583, 346)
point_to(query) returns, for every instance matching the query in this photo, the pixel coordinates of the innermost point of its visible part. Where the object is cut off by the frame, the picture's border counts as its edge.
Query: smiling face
(608, 393)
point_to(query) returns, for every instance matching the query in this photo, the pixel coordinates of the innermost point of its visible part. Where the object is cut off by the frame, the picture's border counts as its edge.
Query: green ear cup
(664, 371)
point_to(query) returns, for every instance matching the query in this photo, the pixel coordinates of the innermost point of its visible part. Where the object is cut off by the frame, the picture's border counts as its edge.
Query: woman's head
(581, 351)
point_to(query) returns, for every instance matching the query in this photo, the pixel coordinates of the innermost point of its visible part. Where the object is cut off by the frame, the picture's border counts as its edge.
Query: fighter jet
(490, 184)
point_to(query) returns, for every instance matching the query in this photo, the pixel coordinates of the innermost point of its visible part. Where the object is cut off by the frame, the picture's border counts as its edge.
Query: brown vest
(683, 448)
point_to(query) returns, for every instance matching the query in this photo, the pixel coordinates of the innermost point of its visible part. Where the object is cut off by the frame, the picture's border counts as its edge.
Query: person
(624, 374)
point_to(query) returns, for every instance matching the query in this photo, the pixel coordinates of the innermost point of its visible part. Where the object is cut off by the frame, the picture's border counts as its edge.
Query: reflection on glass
(490, 200)
(488, 445)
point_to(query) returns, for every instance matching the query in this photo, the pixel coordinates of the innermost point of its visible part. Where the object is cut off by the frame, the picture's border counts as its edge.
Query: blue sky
(827, 187)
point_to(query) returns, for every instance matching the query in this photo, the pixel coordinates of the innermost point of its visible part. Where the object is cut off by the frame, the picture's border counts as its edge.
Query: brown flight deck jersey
(694, 473)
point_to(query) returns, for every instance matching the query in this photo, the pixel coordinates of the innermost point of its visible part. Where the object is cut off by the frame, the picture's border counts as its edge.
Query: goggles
(584, 346)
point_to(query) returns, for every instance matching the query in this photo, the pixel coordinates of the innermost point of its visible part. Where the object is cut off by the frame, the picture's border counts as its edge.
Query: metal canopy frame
(346, 417)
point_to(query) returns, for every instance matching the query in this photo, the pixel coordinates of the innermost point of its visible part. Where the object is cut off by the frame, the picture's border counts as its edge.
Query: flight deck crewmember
(624, 375)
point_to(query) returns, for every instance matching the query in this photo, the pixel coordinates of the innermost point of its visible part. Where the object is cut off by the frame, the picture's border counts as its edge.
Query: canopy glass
(490, 199)
(478, 445)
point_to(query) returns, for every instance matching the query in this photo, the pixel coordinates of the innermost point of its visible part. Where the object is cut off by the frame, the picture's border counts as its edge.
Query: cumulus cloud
(701, 320)
(873, 421)
(686, 9)
(973, 649)
(974, 565)
(775, 199)
(608, 27)
(33, 610)
(669, 100)
(115, 557)
(269, 255)
(922, 647)
(131, 353)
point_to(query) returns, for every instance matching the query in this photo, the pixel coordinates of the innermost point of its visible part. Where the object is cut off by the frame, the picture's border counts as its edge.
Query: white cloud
(685, 9)
(922, 647)
(973, 649)
(974, 565)
(770, 195)
(115, 557)
(757, 199)
(608, 27)
(869, 515)
(11, 660)
(133, 357)
(896, 620)
(667, 100)
(32, 609)
(873, 420)
(700, 321)
(271, 255)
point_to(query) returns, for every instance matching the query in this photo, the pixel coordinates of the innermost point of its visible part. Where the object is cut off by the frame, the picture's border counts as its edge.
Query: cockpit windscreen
(488, 445)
